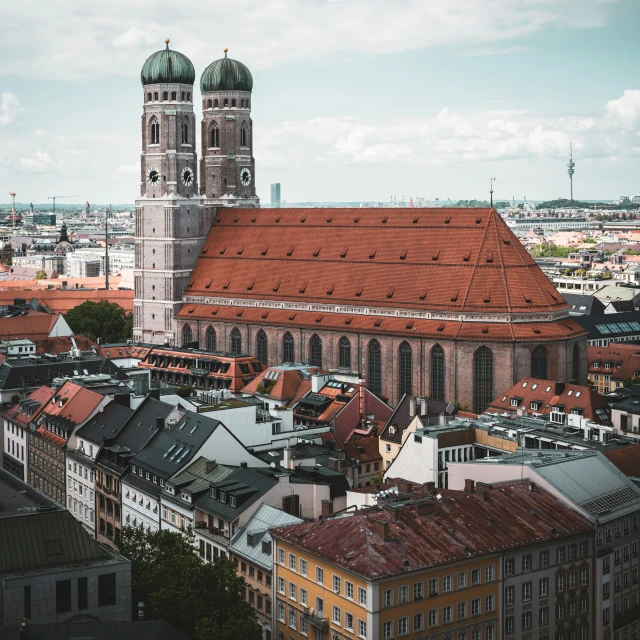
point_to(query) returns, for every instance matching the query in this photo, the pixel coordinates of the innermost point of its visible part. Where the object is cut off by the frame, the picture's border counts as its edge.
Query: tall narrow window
(482, 379)
(155, 131)
(236, 341)
(174, 95)
(288, 348)
(243, 135)
(215, 135)
(576, 363)
(436, 382)
(539, 363)
(406, 369)
(215, 103)
(210, 338)
(262, 347)
(344, 355)
(185, 132)
(209, 103)
(165, 95)
(187, 335)
(315, 351)
(375, 367)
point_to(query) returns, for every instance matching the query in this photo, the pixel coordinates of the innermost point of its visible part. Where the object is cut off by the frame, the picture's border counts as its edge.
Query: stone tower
(170, 223)
(227, 166)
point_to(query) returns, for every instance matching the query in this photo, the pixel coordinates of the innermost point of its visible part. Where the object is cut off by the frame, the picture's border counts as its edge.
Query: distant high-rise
(571, 164)
(276, 203)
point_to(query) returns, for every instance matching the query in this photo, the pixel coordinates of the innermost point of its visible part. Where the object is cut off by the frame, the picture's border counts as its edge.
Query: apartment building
(418, 565)
(596, 489)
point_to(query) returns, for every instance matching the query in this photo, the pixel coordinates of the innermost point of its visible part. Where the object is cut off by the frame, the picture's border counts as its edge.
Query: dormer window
(534, 406)
(232, 501)
(607, 365)
(223, 497)
(133, 468)
(596, 365)
(266, 547)
(392, 430)
(514, 402)
(186, 496)
(140, 472)
(214, 492)
(250, 541)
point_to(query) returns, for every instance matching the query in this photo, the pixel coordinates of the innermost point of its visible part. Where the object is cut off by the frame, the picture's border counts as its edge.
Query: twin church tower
(179, 198)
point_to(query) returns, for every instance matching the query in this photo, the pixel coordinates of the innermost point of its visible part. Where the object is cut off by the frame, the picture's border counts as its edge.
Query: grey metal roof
(195, 479)
(106, 423)
(586, 478)
(246, 484)
(90, 629)
(262, 520)
(172, 449)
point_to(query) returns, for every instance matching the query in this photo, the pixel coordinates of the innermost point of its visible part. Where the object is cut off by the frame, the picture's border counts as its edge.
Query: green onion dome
(167, 66)
(226, 75)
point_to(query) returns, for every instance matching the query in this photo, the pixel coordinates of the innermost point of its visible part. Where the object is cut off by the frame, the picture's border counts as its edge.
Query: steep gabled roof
(462, 260)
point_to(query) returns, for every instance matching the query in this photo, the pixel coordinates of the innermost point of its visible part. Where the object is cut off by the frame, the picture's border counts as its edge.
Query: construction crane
(58, 197)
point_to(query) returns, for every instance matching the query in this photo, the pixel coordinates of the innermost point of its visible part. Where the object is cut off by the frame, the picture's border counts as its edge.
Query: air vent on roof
(377, 323)
(466, 257)
(292, 317)
(478, 220)
(226, 284)
(236, 219)
(240, 250)
(316, 252)
(506, 240)
(372, 255)
(485, 329)
(205, 251)
(535, 330)
(527, 297)
(343, 253)
(191, 310)
(206, 286)
(423, 295)
(329, 219)
(330, 289)
(264, 251)
(214, 311)
(265, 315)
(384, 220)
(390, 292)
(290, 251)
(487, 296)
(190, 283)
(356, 220)
(276, 286)
(250, 285)
(489, 256)
(303, 287)
(415, 220)
(239, 314)
(454, 296)
(403, 255)
(277, 219)
(441, 327)
(319, 318)
(223, 250)
(303, 219)
(359, 291)
(410, 325)
(435, 255)
(447, 220)
(348, 320)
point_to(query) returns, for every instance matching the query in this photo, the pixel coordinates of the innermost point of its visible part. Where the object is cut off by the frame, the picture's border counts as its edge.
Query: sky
(353, 100)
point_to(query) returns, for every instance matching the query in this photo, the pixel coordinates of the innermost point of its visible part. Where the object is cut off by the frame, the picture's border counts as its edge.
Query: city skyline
(348, 104)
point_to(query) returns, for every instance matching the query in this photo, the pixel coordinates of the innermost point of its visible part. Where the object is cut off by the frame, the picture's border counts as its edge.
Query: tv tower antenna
(13, 208)
(570, 168)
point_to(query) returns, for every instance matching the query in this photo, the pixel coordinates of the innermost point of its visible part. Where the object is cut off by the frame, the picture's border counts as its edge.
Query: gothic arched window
(165, 95)
(215, 103)
(315, 351)
(155, 96)
(242, 102)
(375, 367)
(210, 338)
(436, 381)
(209, 103)
(174, 95)
(406, 369)
(236, 341)
(576, 363)
(215, 135)
(187, 335)
(185, 132)
(539, 363)
(262, 347)
(243, 135)
(288, 348)
(344, 353)
(482, 379)
(155, 131)
(148, 97)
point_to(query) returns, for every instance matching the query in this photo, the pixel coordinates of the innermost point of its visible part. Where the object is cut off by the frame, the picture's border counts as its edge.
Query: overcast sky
(353, 100)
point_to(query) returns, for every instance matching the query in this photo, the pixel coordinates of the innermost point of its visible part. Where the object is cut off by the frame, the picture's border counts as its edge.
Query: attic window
(239, 314)
(447, 220)
(384, 220)
(276, 286)
(489, 256)
(372, 255)
(415, 220)
(356, 220)
(487, 296)
(410, 326)
(435, 254)
(205, 250)
(343, 253)
(191, 310)
(506, 240)
(329, 219)
(253, 219)
(277, 219)
(232, 501)
(536, 330)
(292, 317)
(190, 283)
(240, 250)
(377, 323)
(441, 327)
(527, 298)
(236, 219)
(403, 255)
(485, 329)
(348, 320)
(214, 312)
(359, 291)
(265, 314)
(392, 430)
(264, 251)
(223, 250)
(466, 257)
(303, 287)
(319, 319)
(226, 284)
(390, 292)
(206, 286)
(478, 220)
(303, 219)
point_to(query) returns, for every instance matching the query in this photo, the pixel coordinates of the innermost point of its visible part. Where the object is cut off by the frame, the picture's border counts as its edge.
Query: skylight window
(504, 398)
(524, 384)
(194, 428)
(182, 426)
(570, 392)
(177, 453)
(578, 394)
(534, 386)
(171, 448)
(547, 389)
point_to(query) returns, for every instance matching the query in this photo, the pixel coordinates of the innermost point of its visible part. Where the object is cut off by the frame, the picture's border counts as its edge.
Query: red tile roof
(78, 403)
(362, 449)
(42, 395)
(623, 360)
(49, 435)
(430, 259)
(289, 383)
(627, 459)
(547, 394)
(439, 329)
(60, 301)
(34, 325)
(463, 525)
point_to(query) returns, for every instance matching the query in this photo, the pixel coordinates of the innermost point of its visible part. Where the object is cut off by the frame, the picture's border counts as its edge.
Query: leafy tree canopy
(551, 251)
(203, 600)
(103, 319)
(41, 274)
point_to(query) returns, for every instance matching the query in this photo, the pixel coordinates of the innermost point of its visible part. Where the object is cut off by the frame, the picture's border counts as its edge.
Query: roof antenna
(491, 181)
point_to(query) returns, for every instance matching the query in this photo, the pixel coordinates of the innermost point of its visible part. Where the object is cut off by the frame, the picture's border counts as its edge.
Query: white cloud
(626, 109)
(129, 168)
(80, 40)
(40, 162)
(10, 108)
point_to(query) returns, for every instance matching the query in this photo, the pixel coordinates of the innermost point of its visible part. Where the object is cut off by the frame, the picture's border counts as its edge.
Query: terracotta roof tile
(627, 459)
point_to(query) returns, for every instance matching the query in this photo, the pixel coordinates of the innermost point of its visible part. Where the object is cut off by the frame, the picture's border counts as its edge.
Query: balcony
(316, 619)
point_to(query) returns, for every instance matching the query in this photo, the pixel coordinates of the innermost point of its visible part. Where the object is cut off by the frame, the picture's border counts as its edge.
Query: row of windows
(562, 584)
(459, 612)
(14, 449)
(297, 620)
(620, 582)
(154, 131)
(154, 97)
(106, 594)
(257, 601)
(176, 519)
(215, 103)
(14, 429)
(527, 621)
(570, 553)
(618, 530)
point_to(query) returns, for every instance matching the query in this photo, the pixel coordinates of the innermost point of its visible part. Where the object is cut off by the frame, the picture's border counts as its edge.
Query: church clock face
(245, 177)
(153, 176)
(187, 177)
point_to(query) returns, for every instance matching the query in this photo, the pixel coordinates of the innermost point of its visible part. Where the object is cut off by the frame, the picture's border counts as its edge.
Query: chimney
(404, 486)
(559, 388)
(426, 508)
(531, 487)
(155, 394)
(430, 486)
(483, 486)
(122, 399)
(423, 406)
(210, 466)
(243, 465)
(469, 486)
(381, 528)
(334, 464)
(327, 508)
(412, 407)
(159, 422)
(361, 394)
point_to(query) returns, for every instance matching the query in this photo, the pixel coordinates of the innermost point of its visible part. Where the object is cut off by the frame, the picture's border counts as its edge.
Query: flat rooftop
(18, 498)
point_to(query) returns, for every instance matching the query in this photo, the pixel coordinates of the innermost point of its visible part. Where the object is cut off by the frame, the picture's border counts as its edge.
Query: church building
(444, 303)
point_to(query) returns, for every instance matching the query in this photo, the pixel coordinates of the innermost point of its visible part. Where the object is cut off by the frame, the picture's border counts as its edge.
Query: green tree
(41, 274)
(104, 319)
(167, 573)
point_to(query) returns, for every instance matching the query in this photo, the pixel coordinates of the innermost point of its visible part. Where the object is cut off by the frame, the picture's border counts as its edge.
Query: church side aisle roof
(447, 260)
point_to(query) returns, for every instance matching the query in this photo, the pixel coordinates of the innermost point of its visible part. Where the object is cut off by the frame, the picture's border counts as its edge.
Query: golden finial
(225, 52)
(167, 42)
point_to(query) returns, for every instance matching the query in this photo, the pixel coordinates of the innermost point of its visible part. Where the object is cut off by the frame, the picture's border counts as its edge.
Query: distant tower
(13, 208)
(276, 201)
(571, 164)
